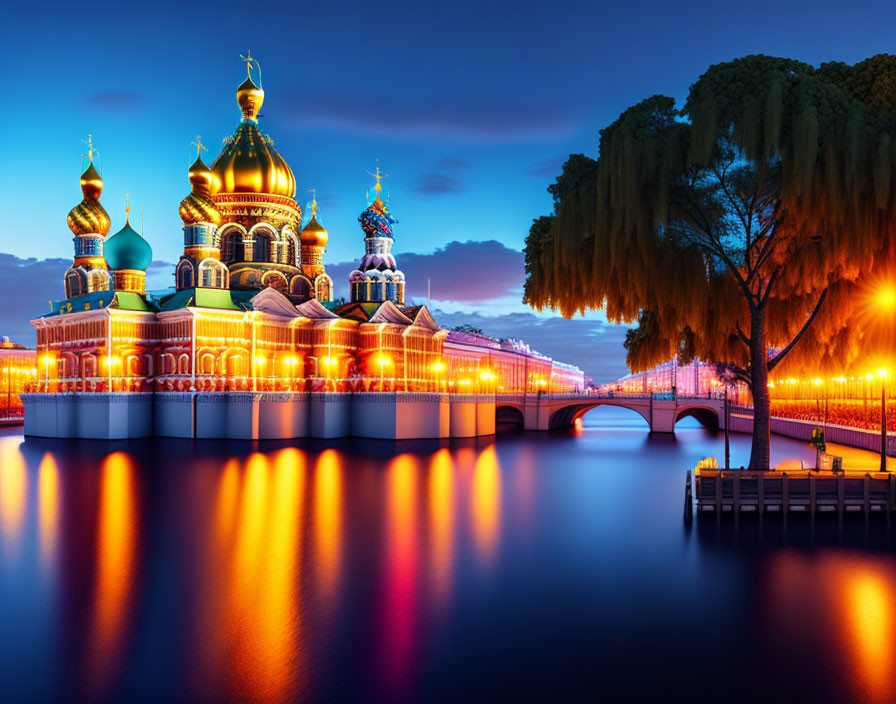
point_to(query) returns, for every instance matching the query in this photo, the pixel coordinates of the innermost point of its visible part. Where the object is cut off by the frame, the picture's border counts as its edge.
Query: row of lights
(818, 381)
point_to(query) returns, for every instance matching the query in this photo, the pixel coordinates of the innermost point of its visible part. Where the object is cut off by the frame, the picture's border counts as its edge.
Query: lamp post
(882, 373)
(727, 433)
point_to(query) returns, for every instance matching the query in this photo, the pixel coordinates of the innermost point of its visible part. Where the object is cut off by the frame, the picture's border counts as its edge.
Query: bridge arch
(567, 415)
(707, 416)
(509, 415)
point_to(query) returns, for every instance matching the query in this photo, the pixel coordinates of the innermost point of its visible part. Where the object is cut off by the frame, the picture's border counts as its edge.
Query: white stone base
(400, 416)
(462, 416)
(99, 416)
(330, 414)
(173, 414)
(258, 416)
(485, 415)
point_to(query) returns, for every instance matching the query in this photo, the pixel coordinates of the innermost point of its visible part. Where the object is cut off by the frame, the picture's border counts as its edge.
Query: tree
(731, 227)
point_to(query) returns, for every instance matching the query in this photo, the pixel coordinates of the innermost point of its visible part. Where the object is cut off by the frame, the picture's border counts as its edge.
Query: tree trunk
(760, 451)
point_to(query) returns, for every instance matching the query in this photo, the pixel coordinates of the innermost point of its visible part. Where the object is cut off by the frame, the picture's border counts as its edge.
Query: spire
(379, 176)
(127, 208)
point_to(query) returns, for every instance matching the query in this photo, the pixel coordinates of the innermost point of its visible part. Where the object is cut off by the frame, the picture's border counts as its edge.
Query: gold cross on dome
(379, 176)
(199, 145)
(313, 202)
(249, 59)
(127, 206)
(89, 143)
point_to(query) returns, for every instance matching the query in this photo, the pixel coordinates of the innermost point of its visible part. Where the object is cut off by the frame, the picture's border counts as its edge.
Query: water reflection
(327, 523)
(398, 610)
(118, 523)
(441, 525)
(486, 504)
(362, 571)
(845, 604)
(13, 490)
(48, 509)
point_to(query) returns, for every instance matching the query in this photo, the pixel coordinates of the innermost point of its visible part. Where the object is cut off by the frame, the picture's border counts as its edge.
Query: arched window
(261, 250)
(323, 288)
(212, 274)
(292, 249)
(207, 364)
(184, 274)
(235, 366)
(275, 280)
(300, 286)
(232, 246)
(183, 364)
(75, 283)
(98, 280)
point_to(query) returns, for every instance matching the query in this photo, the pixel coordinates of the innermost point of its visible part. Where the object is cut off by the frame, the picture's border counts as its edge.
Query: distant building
(18, 368)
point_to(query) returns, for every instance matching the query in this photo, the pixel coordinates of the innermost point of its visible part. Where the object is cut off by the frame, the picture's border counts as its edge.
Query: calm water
(533, 566)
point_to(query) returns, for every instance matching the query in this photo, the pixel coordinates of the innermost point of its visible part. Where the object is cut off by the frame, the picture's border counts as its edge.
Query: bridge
(661, 410)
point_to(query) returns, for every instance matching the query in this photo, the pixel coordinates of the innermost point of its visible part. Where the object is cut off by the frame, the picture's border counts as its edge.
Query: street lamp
(882, 373)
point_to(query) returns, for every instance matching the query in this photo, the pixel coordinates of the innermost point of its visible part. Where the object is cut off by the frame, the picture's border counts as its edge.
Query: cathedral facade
(250, 342)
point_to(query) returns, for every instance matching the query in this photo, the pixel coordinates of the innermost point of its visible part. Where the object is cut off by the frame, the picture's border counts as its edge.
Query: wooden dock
(806, 491)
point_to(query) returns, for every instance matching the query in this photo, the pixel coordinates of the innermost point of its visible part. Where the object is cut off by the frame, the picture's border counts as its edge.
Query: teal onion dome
(127, 249)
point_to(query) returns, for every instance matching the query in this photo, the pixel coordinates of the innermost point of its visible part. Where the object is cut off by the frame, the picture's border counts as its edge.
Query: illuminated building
(250, 343)
(18, 368)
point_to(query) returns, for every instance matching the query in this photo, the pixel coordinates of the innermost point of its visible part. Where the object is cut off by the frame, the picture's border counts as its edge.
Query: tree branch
(778, 357)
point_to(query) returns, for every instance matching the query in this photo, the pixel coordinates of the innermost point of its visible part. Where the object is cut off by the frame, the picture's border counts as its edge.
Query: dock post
(889, 494)
(812, 494)
(719, 492)
(785, 494)
(841, 494)
(735, 493)
(688, 498)
(760, 490)
(867, 493)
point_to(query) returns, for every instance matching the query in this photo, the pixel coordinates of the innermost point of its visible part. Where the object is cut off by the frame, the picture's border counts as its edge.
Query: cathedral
(251, 341)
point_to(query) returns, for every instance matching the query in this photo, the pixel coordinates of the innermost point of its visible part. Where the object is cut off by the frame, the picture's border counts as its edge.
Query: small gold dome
(250, 98)
(198, 206)
(91, 183)
(203, 180)
(89, 217)
(314, 234)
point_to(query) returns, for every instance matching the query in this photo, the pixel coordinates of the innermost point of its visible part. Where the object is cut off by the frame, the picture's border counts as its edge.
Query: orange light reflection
(441, 523)
(48, 508)
(116, 544)
(13, 494)
(486, 503)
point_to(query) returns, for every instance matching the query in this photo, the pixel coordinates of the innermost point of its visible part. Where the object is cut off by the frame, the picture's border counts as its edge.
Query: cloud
(116, 99)
(26, 287)
(453, 117)
(549, 168)
(436, 184)
(593, 345)
(469, 272)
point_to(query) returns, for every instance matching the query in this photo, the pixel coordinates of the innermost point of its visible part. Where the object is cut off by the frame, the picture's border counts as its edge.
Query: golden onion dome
(198, 205)
(250, 98)
(314, 234)
(203, 180)
(89, 217)
(249, 163)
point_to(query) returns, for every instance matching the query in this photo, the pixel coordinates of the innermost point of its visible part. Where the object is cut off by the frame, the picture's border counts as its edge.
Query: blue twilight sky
(470, 107)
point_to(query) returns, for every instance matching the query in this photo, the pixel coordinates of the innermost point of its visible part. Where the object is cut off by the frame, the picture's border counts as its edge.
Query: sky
(471, 108)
